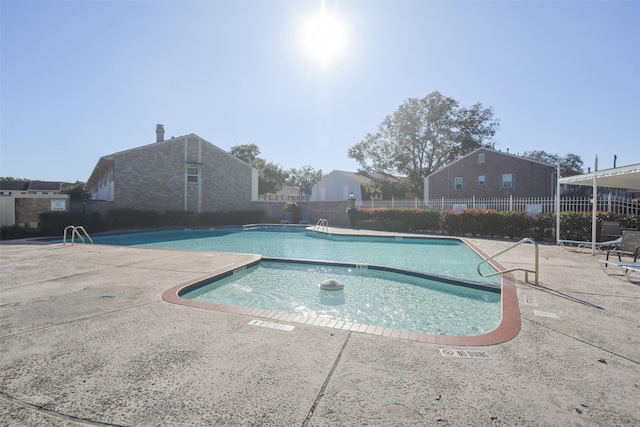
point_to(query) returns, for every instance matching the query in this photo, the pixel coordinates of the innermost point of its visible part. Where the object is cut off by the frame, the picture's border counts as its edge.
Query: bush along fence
(488, 223)
(54, 223)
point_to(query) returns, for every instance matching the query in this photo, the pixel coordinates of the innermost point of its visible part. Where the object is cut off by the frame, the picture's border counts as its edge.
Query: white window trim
(190, 174)
(509, 181)
(458, 181)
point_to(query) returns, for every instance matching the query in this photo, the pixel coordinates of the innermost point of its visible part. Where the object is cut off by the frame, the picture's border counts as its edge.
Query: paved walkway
(86, 339)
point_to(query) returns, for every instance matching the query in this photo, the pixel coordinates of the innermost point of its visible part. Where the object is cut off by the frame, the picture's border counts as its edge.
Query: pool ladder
(76, 230)
(322, 225)
(526, 271)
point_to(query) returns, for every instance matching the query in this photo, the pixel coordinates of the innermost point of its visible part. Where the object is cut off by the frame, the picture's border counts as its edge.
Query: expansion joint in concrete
(326, 382)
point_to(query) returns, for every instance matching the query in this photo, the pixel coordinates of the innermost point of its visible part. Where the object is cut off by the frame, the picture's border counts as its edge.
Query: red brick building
(489, 173)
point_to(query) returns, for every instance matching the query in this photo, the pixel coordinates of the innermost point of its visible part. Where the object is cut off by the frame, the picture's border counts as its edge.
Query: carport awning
(623, 177)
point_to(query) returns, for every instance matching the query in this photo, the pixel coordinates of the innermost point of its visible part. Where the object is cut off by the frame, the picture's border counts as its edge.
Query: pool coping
(507, 329)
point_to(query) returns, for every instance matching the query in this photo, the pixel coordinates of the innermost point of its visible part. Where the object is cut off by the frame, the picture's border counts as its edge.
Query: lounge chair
(305, 218)
(629, 245)
(288, 218)
(610, 237)
(626, 266)
(582, 244)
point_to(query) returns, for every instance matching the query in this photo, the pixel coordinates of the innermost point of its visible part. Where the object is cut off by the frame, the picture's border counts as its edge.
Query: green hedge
(11, 232)
(488, 223)
(54, 223)
(229, 218)
(469, 222)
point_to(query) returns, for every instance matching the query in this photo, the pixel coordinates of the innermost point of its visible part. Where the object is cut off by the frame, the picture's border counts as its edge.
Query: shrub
(54, 223)
(382, 225)
(575, 225)
(489, 223)
(181, 218)
(129, 218)
(10, 232)
(229, 218)
(543, 226)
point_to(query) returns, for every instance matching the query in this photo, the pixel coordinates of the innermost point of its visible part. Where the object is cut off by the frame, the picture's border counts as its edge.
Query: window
(481, 158)
(458, 183)
(193, 174)
(481, 180)
(507, 180)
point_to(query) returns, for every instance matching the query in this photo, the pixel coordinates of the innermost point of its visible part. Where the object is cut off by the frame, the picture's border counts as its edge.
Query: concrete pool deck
(86, 339)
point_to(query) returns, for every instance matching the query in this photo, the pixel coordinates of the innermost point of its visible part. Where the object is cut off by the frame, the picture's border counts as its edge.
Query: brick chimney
(159, 133)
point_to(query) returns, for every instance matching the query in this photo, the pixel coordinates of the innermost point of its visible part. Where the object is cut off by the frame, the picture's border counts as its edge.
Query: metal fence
(533, 205)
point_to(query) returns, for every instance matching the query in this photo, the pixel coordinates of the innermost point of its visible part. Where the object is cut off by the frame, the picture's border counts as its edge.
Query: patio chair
(611, 230)
(629, 245)
(305, 218)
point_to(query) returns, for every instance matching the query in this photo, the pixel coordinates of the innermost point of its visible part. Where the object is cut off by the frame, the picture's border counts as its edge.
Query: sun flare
(324, 37)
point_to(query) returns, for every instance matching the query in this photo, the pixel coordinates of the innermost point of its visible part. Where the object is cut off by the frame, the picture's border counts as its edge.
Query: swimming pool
(431, 270)
(447, 257)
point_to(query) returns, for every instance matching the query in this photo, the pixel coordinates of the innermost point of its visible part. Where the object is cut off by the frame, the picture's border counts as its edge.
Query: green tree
(423, 135)
(571, 162)
(271, 177)
(10, 178)
(75, 190)
(304, 178)
(246, 152)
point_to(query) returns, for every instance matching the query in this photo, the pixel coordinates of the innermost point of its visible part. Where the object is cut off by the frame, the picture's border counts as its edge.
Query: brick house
(186, 173)
(489, 173)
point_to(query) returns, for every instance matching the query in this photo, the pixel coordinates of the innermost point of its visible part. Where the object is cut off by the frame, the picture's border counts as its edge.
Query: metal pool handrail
(75, 231)
(526, 271)
(321, 225)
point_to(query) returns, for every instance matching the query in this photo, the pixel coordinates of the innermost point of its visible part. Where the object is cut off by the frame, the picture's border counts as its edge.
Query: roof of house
(45, 186)
(491, 151)
(30, 185)
(14, 185)
(286, 190)
(364, 178)
(105, 162)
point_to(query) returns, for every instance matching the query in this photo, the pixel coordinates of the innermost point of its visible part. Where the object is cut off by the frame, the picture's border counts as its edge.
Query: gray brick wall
(531, 179)
(28, 208)
(334, 211)
(154, 177)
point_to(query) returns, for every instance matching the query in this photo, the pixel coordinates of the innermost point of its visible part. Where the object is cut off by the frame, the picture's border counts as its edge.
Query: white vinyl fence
(533, 205)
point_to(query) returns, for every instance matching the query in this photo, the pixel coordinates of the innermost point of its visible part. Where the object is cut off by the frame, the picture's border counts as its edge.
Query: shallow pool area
(370, 296)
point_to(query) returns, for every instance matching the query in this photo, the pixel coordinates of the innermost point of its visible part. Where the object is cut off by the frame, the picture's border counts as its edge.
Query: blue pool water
(425, 285)
(444, 257)
(370, 297)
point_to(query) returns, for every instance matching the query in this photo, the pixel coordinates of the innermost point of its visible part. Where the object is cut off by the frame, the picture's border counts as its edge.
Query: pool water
(372, 297)
(444, 257)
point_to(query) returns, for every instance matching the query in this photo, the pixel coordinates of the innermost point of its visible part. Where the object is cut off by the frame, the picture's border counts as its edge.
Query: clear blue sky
(83, 79)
